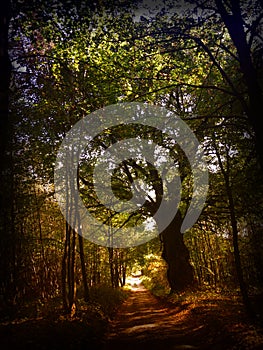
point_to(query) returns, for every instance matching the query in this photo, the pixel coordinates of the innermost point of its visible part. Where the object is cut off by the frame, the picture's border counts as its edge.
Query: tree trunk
(122, 269)
(68, 271)
(180, 272)
(111, 263)
(72, 270)
(83, 269)
(64, 272)
(235, 26)
(233, 220)
(240, 276)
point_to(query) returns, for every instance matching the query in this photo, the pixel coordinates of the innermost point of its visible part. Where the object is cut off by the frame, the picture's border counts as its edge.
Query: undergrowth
(44, 324)
(107, 299)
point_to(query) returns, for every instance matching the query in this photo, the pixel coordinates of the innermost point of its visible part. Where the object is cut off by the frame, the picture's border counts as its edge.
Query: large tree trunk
(180, 272)
(235, 26)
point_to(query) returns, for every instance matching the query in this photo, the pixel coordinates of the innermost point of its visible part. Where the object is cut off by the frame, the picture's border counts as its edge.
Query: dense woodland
(61, 61)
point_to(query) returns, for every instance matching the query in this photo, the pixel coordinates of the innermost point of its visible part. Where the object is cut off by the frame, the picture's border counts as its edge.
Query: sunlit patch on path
(145, 323)
(135, 283)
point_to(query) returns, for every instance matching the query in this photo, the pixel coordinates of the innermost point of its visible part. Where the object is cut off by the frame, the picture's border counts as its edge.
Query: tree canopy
(200, 60)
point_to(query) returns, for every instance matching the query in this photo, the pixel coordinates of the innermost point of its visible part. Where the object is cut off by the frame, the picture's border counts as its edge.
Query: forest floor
(146, 322)
(143, 321)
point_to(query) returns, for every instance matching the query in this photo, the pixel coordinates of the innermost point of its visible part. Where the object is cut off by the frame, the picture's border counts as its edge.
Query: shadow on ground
(144, 322)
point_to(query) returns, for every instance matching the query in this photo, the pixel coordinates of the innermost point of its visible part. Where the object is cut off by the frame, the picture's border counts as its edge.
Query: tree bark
(233, 220)
(234, 24)
(110, 251)
(64, 272)
(240, 276)
(68, 271)
(180, 273)
(83, 269)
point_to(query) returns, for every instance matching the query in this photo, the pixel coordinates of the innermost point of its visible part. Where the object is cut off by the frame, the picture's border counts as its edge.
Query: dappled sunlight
(144, 318)
(154, 323)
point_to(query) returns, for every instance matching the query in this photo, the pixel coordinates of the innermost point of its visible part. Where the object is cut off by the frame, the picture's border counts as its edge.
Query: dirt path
(143, 322)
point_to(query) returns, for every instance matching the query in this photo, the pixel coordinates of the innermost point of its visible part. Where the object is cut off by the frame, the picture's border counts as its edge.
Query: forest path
(144, 322)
